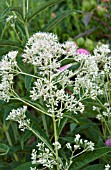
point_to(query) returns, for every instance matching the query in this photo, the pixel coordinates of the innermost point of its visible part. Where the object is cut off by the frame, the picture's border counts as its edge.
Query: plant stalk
(56, 139)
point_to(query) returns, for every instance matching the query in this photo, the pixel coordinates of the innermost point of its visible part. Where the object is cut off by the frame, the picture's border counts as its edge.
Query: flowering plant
(55, 98)
(87, 79)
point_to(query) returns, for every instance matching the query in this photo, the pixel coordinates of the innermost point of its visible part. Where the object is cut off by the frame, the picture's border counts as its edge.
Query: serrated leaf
(88, 157)
(3, 149)
(57, 19)
(44, 6)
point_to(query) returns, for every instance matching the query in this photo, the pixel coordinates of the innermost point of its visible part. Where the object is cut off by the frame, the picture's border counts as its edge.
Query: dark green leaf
(94, 167)
(4, 14)
(61, 125)
(44, 6)
(24, 138)
(25, 166)
(71, 116)
(88, 157)
(28, 80)
(3, 149)
(36, 130)
(18, 10)
(10, 43)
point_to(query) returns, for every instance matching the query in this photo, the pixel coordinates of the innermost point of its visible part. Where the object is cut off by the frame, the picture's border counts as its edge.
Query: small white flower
(77, 137)
(76, 147)
(68, 145)
(107, 167)
(99, 116)
(33, 168)
(57, 144)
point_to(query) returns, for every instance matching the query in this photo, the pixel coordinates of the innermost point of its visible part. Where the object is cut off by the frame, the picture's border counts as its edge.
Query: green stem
(3, 30)
(56, 139)
(10, 143)
(24, 9)
(24, 17)
(29, 75)
(45, 124)
(27, 6)
(18, 98)
(26, 30)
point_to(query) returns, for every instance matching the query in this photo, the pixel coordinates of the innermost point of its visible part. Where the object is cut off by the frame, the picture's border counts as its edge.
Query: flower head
(19, 116)
(83, 51)
(108, 142)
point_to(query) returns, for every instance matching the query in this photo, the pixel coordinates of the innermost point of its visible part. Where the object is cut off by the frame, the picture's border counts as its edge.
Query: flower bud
(80, 41)
(83, 51)
(93, 4)
(65, 67)
(108, 142)
(89, 44)
(86, 5)
(101, 11)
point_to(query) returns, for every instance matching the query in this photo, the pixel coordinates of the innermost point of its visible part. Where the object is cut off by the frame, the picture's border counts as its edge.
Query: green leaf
(18, 10)
(28, 80)
(5, 43)
(41, 135)
(24, 138)
(71, 116)
(25, 166)
(94, 167)
(44, 6)
(3, 149)
(57, 19)
(88, 157)
(4, 14)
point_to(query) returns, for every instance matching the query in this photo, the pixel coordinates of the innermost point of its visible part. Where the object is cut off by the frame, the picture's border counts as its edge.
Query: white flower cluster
(91, 78)
(79, 144)
(103, 114)
(44, 51)
(43, 156)
(85, 144)
(11, 18)
(19, 116)
(7, 66)
(57, 144)
(107, 167)
(88, 146)
(33, 168)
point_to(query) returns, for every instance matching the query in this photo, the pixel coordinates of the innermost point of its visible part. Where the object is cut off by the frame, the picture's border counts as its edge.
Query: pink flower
(53, 15)
(65, 67)
(83, 51)
(108, 142)
(105, 0)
